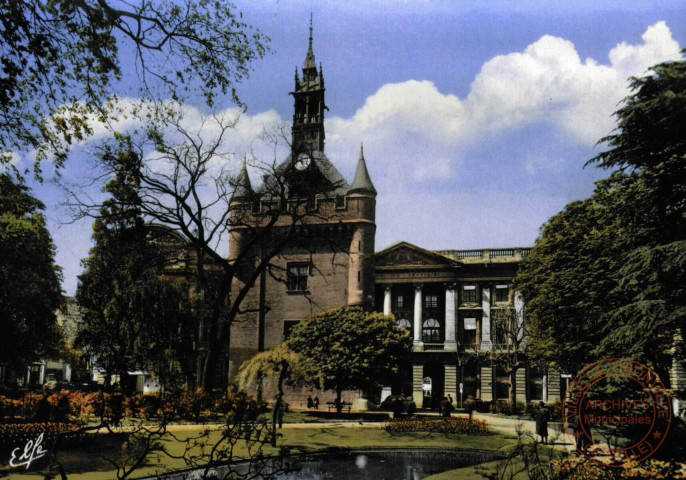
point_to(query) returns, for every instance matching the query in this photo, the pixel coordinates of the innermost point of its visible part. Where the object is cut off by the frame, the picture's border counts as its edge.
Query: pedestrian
(316, 402)
(445, 407)
(542, 422)
(450, 399)
(310, 403)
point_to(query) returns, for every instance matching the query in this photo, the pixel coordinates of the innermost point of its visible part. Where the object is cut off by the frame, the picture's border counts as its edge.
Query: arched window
(404, 323)
(431, 331)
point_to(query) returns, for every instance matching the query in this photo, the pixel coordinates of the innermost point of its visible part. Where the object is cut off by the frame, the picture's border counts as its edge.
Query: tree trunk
(339, 404)
(513, 391)
(278, 414)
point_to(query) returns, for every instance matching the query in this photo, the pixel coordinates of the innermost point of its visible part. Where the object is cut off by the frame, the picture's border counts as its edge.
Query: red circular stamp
(617, 410)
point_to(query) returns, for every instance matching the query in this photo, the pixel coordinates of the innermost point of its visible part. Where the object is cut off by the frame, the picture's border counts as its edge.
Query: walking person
(542, 417)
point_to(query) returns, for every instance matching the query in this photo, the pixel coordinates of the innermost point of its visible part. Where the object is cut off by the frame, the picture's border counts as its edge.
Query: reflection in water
(384, 465)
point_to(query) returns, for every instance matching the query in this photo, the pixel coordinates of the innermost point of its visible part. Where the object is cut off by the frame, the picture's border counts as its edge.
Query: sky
(477, 118)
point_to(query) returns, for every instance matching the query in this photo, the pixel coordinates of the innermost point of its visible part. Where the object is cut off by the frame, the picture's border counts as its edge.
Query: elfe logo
(619, 410)
(33, 450)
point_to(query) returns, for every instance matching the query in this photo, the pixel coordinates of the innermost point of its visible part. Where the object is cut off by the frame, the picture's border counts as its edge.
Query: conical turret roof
(243, 188)
(362, 183)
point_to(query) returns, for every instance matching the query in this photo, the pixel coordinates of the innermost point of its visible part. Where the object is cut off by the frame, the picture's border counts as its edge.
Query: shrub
(192, 404)
(577, 468)
(461, 425)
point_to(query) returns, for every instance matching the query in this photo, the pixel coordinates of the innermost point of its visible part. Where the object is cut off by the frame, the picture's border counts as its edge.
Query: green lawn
(89, 463)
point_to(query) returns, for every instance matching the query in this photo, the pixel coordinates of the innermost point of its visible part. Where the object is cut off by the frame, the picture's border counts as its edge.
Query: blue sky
(477, 117)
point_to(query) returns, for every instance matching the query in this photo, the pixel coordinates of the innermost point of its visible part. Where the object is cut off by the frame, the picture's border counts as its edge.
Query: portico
(446, 300)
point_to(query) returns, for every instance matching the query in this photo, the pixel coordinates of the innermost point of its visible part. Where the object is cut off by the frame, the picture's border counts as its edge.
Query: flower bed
(459, 425)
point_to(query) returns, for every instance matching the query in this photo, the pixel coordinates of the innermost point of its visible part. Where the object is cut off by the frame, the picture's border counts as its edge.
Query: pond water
(382, 465)
(403, 464)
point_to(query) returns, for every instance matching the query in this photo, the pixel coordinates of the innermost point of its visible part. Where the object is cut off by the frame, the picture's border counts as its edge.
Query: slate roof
(321, 163)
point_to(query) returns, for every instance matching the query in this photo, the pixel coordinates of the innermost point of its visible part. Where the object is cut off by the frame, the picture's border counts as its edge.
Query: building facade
(450, 301)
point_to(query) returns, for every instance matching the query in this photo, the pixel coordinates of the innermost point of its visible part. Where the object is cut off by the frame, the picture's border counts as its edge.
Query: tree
(347, 348)
(280, 362)
(134, 317)
(509, 346)
(61, 62)
(30, 290)
(187, 184)
(607, 275)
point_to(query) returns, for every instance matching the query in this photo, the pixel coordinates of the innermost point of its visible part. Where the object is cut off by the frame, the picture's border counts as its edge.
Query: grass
(87, 462)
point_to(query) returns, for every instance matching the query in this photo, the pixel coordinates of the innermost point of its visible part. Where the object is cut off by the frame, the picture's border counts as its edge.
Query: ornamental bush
(577, 468)
(461, 425)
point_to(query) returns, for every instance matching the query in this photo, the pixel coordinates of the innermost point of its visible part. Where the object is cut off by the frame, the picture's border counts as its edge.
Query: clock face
(302, 162)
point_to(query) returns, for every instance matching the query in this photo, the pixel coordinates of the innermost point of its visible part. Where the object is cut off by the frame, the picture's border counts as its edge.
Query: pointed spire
(243, 188)
(297, 78)
(309, 59)
(362, 183)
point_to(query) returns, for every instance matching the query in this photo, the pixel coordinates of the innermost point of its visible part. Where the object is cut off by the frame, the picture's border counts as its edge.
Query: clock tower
(308, 117)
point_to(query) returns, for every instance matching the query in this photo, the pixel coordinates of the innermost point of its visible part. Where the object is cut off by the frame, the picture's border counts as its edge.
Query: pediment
(406, 254)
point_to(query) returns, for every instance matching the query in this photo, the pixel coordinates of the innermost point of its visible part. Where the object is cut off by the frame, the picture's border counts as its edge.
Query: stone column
(486, 318)
(450, 319)
(418, 344)
(387, 301)
(417, 381)
(519, 315)
(451, 383)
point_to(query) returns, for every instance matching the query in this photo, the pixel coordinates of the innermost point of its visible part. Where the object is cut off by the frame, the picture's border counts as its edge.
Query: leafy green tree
(30, 290)
(60, 62)
(348, 348)
(280, 363)
(133, 316)
(607, 277)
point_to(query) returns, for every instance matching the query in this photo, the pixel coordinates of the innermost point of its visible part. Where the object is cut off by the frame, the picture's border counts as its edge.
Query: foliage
(504, 407)
(607, 277)
(269, 364)
(461, 425)
(279, 361)
(578, 468)
(30, 290)
(61, 62)
(133, 317)
(347, 348)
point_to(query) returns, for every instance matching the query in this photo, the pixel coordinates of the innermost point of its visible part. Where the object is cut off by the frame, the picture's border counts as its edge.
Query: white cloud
(422, 131)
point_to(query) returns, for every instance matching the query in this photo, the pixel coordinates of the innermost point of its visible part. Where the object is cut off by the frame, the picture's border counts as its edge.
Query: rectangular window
(502, 293)
(469, 334)
(431, 301)
(501, 326)
(470, 380)
(296, 277)
(502, 384)
(469, 294)
(400, 302)
(536, 385)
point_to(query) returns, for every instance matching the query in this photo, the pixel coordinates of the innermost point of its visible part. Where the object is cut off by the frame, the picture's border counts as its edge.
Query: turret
(362, 200)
